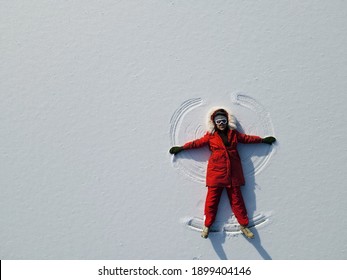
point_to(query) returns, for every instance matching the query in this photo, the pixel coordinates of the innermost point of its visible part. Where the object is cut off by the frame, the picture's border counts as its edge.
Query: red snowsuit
(224, 169)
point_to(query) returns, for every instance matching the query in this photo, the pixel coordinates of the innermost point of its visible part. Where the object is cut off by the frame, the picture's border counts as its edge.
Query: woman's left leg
(238, 205)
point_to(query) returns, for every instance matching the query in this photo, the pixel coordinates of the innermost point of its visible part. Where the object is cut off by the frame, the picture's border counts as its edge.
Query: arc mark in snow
(232, 228)
(254, 119)
(177, 117)
(183, 128)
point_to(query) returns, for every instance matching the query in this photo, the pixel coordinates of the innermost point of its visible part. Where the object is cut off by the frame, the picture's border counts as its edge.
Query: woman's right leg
(211, 204)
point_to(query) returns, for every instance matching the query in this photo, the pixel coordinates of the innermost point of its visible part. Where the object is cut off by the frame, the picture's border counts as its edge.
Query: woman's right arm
(191, 145)
(198, 143)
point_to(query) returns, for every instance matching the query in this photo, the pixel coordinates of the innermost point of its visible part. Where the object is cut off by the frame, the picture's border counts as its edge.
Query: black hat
(220, 112)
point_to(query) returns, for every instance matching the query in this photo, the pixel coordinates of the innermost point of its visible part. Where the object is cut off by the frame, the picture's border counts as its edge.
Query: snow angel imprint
(224, 169)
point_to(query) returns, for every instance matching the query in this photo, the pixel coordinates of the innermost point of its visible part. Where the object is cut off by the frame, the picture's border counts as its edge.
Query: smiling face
(221, 122)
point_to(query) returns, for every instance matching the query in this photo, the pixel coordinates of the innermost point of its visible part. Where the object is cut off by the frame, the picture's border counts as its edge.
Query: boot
(205, 232)
(246, 231)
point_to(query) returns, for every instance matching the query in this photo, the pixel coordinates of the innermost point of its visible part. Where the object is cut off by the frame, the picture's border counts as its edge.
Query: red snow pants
(236, 202)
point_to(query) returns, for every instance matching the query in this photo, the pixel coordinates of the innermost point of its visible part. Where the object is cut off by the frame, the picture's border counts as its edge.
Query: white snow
(94, 93)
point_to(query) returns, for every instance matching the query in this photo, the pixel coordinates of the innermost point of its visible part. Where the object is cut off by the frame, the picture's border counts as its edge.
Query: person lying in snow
(224, 169)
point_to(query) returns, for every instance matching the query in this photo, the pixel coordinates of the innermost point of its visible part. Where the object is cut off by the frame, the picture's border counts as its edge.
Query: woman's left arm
(250, 139)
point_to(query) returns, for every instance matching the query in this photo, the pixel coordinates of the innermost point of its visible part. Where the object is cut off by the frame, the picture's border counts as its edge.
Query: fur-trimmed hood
(211, 114)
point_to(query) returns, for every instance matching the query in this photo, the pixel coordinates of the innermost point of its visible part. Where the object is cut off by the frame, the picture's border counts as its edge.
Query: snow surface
(94, 93)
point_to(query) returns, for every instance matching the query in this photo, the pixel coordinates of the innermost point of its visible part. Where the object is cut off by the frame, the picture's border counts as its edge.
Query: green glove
(175, 150)
(269, 140)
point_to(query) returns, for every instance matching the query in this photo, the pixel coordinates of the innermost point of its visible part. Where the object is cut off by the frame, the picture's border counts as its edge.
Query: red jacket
(224, 165)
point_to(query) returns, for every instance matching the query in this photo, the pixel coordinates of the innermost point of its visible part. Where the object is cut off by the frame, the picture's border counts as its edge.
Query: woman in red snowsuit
(224, 169)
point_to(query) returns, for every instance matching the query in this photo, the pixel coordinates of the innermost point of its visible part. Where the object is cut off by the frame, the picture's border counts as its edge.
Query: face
(221, 124)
